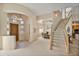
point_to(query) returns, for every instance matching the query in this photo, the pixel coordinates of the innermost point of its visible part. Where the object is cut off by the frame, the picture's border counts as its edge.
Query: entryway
(14, 30)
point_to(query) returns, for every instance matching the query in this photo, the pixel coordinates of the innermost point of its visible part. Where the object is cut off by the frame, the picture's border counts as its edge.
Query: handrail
(51, 42)
(66, 35)
(66, 41)
(68, 20)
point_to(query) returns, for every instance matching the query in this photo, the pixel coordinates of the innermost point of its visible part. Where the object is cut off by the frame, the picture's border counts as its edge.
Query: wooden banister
(66, 35)
(66, 41)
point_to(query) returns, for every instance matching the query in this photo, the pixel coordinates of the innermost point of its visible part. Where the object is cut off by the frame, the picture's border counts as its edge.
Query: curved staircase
(58, 41)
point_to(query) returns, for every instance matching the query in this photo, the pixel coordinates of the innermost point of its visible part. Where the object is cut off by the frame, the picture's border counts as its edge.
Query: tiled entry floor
(22, 44)
(38, 48)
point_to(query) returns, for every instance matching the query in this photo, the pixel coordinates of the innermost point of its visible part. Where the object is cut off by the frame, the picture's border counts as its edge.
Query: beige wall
(26, 29)
(15, 8)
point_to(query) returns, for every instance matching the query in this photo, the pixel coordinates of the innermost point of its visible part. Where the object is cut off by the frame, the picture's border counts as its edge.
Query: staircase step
(60, 28)
(58, 43)
(58, 32)
(60, 38)
(61, 42)
(60, 46)
(58, 35)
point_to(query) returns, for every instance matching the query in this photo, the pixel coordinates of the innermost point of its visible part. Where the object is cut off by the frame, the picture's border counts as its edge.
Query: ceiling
(44, 8)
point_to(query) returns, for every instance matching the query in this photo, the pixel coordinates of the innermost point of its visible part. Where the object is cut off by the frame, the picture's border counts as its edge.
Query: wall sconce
(56, 13)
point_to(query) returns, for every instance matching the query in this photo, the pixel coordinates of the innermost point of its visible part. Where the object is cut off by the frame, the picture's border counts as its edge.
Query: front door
(14, 30)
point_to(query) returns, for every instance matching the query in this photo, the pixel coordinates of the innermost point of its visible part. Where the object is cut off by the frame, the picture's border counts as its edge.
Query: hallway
(38, 48)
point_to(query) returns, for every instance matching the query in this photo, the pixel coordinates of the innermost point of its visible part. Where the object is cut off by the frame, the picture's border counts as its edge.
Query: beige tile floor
(38, 48)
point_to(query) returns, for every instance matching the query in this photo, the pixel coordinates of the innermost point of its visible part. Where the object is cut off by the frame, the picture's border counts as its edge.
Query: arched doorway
(18, 26)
